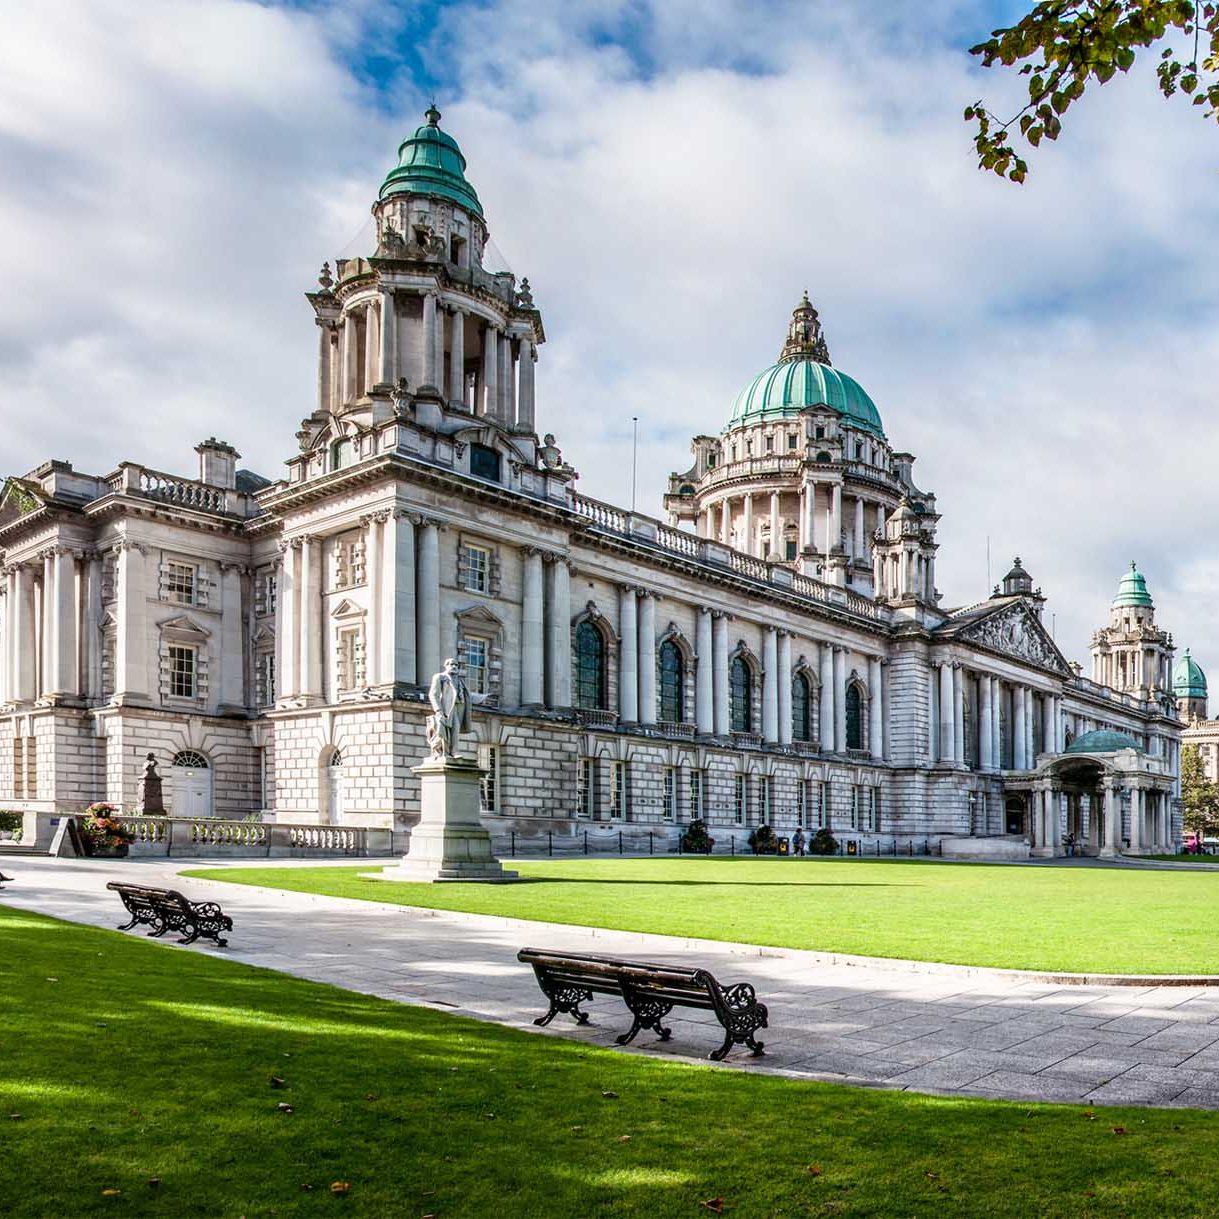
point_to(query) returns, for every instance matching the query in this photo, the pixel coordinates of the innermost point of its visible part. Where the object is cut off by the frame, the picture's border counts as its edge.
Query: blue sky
(670, 176)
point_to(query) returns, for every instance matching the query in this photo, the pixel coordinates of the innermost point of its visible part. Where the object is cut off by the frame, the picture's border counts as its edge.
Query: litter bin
(852, 847)
(785, 846)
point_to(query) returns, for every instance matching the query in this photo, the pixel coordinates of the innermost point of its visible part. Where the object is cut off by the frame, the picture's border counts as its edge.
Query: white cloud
(1047, 352)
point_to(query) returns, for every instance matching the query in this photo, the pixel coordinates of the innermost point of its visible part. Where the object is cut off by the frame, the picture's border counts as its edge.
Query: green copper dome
(1102, 741)
(430, 163)
(1188, 680)
(804, 377)
(1133, 589)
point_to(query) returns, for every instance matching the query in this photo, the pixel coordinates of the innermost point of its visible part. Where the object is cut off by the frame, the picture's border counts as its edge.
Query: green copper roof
(430, 163)
(783, 390)
(1133, 589)
(1102, 741)
(1188, 680)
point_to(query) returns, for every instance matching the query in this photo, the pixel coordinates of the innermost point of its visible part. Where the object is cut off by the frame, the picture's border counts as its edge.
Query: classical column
(834, 541)
(770, 685)
(876, 708)
(628, 655)
(532, 630)
(232, 634)
(325, 375)
(374, 564)
(350, 356)
(986, 708)
(90, 630)
(647, 658)
(860, 544)
(490, 378)
(131, 636)
(1113, 821)
(996, 722)
(840, 700)
(1138, 809)
(1019, 707)
(948, 734)
(825, 718)
(372, 348)
(785, 688)
(776, 538)
(64, 677)
(725, 522)
(21, 635)
(747, 544)
(46, 627)
(958, 714)
(933, 714)
(427, 371)
(558, 647)
(427, 602)
(704, 686)
(507, 389)
(311, 618)
(1047, 723)
(387, 372)
(397, 629)
(723, 717)
(525, 410)
(1030, 716)
(287, 637)
(810, 521)
(457, 358)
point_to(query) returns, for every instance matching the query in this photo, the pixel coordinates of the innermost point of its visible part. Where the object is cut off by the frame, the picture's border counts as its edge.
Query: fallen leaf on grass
(610, 1095)
(111, 1193)
(371, 1096)
(15, 1117)
(153, 1182)
(1090, 1114)
(813, 1170)
(55, 980)
(624, 1138)
(1119, 1129)
(278, 1081)
(714, 1205)
(282, 1107)
(340, 1187)
(307, 1187)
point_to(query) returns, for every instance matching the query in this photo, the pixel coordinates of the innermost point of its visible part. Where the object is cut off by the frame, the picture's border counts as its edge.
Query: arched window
(590, 668)
(742, 695)
(191, 759)
(802, 708)
(342, 454)
(672, 683)
(854, 718)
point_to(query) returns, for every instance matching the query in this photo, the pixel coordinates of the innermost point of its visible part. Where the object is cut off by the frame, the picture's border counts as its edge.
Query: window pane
(590, 668)
(800, 708)
(854, 719)
(742, 711)
(672, 683)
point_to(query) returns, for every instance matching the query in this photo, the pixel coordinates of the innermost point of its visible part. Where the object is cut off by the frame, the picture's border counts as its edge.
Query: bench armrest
(740, 997)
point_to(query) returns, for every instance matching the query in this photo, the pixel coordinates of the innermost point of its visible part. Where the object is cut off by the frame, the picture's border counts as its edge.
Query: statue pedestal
(449, 843)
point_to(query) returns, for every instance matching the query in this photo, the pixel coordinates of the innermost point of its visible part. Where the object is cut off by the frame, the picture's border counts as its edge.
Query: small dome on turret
(431, 163)
(1132, 590)
(1188, 680)
(1017, 582)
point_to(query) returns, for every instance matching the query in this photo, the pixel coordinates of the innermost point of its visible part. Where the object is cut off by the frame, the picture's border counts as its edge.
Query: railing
(605, 515)
(167, 489)
(747, 740)
(748, 565)
(677, 541)
(754, 467)
(594, 718)
(807, 586)
(195, 834)
(679, 731)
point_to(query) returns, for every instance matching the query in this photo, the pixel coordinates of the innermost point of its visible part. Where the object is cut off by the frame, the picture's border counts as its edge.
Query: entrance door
(192, 785)
(1013, 815)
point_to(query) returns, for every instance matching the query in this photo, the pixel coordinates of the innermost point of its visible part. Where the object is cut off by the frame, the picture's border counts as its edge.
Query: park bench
(3, 878)
(650, 991)
(167, 910)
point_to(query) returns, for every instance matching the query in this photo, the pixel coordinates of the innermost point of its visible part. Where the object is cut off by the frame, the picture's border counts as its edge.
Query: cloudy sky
(670, 176)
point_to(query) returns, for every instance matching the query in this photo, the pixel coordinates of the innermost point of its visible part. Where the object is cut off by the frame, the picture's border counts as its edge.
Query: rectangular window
(617, 790)
(266, 588)
(475, 569)
(792, 440)
(874, 809)
(789, 549)
(349, 562)
(586, 788)
(180, 583)
(488, 785)
(765, 784)
(856, 806)
(770, 444)
(484, 462)
(475, 655)
(801, 803)
(183, 671)
(264, 678)
(349, 671)
(18, 768)
(669, 809)
(740, 799)
(814, 801)
(31, 768)
(698, 795)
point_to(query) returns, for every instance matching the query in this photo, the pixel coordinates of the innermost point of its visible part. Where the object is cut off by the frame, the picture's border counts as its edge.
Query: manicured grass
(1080, 919)
(124, 1062)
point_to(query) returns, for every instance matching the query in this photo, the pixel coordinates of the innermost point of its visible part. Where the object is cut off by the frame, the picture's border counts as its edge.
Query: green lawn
(124, 1062)
(1106, 920)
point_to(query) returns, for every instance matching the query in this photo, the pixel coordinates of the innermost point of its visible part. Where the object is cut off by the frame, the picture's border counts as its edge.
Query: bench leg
(158, 929)
(647, 1015)
(733, 1036)
(192, 934)
(128, 926)
(565, 999)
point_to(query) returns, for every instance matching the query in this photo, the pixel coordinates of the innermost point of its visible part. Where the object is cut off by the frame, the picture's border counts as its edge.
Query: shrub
(11, 822)
(822, 843)
(101, 827)
(696, 840)
(762, 840)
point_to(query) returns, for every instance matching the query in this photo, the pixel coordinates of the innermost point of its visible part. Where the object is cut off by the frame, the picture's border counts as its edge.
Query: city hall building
(775, 651)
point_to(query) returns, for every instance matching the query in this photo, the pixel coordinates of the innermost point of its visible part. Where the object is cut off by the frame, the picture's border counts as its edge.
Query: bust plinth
(449, 843)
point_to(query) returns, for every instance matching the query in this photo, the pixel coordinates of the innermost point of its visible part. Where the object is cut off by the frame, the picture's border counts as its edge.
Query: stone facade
(775, 651)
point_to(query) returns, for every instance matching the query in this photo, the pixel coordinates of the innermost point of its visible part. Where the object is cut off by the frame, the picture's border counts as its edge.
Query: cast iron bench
(167, 910)
(650, 992)
(3, 878)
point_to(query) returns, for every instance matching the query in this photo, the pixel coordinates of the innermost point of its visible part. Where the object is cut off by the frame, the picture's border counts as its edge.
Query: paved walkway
(979, 1035)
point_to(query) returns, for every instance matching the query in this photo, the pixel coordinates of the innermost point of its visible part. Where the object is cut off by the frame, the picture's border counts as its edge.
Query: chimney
(217, 463)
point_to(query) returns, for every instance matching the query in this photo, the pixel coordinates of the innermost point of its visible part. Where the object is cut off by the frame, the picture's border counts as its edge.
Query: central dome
(802, 378)
(430, 163)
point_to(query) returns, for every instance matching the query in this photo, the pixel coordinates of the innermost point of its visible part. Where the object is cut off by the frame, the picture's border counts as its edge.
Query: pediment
(1014, 630)
(347, 609)
(184, 627)
(479, 615)
(19, 498)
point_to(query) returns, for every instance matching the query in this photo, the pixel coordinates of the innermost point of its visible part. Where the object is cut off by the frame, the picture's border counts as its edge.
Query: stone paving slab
(968, 1033)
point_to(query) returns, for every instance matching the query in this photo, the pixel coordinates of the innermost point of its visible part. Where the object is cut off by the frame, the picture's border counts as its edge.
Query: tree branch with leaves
(1065, 47)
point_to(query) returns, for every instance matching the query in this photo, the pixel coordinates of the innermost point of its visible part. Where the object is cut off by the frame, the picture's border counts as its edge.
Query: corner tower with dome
(775, 651)
(802, 475)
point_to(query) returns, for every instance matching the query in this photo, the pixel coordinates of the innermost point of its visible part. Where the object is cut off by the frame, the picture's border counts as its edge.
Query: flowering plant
(101, 828)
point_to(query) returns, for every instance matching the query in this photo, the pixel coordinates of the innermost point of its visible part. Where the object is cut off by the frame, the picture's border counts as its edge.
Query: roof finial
(804, 338)
(432, 114)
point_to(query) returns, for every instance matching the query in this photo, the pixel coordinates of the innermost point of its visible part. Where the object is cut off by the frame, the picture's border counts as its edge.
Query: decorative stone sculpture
(151, 799)
(451, 701)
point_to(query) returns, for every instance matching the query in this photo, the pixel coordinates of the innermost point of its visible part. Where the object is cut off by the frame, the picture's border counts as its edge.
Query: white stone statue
(452, 701)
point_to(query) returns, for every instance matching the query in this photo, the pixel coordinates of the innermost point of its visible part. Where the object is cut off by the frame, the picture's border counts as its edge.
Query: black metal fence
(643, 843)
